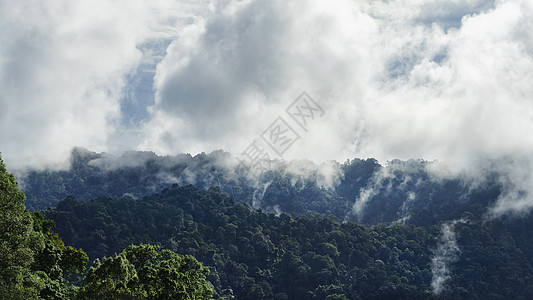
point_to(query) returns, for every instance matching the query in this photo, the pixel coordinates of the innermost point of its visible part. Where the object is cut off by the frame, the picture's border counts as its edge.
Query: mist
(446, 253)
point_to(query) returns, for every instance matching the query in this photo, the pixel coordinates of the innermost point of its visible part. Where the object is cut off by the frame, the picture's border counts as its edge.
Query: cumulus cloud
(224, 81)
(396, 79)
(63, 68)
(431, 79)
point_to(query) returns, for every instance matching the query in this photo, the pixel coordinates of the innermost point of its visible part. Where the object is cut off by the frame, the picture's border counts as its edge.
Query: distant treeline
(401, 191)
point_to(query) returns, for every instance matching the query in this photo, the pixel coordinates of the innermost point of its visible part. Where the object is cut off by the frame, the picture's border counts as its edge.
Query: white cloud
(395, 78)
(447, 80)
(446, 253)
(224, 81)
(63, 67)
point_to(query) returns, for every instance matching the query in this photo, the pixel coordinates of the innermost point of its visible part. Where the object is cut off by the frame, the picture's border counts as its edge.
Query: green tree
(146, 272)
(33, 261)
(56, 262)
(18, 242)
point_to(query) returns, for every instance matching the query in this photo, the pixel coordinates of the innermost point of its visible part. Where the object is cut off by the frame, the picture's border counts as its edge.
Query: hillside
(256, 255)
(356, 230)
(357, 190)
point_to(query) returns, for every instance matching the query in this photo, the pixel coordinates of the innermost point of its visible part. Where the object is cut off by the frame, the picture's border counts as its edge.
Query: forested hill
(255, 255)
(358, 190)
(298, 231)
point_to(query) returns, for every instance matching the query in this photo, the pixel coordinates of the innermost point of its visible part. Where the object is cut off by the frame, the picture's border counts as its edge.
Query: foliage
(58, 265)
(18, 242)
(146, 272)
(33, 261)
(36, 263)
(400, 191)
(254, 255)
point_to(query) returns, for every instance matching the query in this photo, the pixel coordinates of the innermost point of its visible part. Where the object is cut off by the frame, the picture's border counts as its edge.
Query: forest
(167, 227)
(399, 191)
(35, 263)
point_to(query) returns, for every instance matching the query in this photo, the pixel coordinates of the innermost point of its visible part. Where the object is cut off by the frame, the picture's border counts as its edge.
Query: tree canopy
(18, 242)
(146, 272)
(36, 264)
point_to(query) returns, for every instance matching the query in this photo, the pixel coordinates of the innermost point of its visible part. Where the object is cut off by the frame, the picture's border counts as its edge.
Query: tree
(146, 272)
(56, 264)
(18, 242)
(33, 261)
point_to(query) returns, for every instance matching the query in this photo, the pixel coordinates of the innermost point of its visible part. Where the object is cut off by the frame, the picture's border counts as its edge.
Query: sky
(432, 79)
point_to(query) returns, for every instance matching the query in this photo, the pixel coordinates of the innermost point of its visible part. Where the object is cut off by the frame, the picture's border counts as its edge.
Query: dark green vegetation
(400, 190)
(33, 261)
(255, 255)
(146, 272)
(36, 264)
(283, 236)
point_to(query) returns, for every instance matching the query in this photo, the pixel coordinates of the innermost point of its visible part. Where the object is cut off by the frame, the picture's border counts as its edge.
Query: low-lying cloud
(446, 253)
